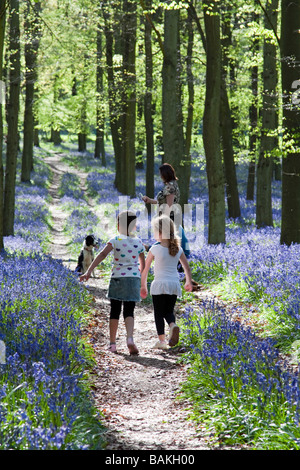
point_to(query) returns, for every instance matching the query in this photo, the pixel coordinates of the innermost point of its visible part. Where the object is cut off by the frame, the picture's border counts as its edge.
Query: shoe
(133, 350)
(112, 347)
(160, 345)
(174, 335)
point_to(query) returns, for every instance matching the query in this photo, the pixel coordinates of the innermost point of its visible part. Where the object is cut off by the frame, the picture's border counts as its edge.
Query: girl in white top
(165, 287)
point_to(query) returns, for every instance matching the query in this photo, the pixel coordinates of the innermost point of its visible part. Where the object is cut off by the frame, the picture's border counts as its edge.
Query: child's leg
(128, 310)
(170, 302)
(115, 310)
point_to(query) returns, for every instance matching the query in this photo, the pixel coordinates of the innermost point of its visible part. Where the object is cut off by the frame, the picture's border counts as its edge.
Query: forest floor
(137, 395)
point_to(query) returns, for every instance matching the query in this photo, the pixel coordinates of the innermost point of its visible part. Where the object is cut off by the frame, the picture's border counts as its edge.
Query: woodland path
(135, 394)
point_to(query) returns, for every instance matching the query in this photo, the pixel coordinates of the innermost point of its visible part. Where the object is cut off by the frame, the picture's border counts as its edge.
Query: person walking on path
(165, 288)
(170, 193)
(125, 281)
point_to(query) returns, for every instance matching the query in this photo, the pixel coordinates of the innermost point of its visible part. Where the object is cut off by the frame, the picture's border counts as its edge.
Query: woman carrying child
(125, 281)
(165, 287)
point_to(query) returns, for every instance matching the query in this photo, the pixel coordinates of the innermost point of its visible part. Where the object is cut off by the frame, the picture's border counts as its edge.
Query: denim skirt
(125, 288)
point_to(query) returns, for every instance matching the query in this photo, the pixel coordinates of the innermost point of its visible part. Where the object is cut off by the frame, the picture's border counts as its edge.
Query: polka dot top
(126, 256)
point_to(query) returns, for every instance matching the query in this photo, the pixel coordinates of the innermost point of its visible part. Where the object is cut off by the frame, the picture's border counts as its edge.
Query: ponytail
(173, 245)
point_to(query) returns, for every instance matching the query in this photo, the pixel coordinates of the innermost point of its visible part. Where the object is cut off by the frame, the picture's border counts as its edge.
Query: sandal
(160, 345)
(174, 335)
(133, 350)
(112, 347)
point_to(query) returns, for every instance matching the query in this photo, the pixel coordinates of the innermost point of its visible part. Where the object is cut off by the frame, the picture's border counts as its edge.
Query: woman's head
(164, 230)
(126, 222)
(167, 172)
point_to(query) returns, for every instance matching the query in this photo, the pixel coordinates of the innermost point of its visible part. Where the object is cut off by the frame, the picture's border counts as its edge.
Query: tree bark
(2, 36)
(129, 99)
(12, 120)
(172, 125)
(269, 139)
(253, 122)
(233, 202)
(290, 70)
(113, 96)
(148, 107)
(211, 125)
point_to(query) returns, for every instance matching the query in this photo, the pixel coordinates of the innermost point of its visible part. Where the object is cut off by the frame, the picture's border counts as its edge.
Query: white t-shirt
(166, 277)
(126, 256)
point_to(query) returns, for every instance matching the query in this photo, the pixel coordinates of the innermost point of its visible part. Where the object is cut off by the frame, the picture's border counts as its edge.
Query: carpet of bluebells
(45, 402)
(238, 383)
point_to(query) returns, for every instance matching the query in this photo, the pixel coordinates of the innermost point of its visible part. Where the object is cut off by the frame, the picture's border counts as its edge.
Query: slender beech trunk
(2, 36)
(173, 139)
(290, 70)
(31, 27)
(233, 202)
(269, 139)
(129, 98)
(253, 121)
(148, 106)
(100, 117)
(211, 127)
(12, 120)
(185, 172)
(113, 95)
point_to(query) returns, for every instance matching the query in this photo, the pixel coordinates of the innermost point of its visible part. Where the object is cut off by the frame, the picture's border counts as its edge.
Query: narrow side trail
(136, 394)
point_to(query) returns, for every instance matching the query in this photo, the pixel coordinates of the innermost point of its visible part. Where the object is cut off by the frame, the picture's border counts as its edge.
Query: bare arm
(144, 290)
(99, 258)
(187, 270)
(170, 199)
(148, 200)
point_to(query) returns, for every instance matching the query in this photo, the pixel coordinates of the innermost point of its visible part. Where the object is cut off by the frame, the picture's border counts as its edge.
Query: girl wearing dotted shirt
(124, 285)
(165, 287)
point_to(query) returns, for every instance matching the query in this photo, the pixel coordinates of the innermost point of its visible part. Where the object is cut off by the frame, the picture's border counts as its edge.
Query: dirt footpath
(136, 394)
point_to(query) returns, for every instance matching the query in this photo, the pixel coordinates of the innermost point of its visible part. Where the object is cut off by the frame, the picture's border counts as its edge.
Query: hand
(188, 286)
(144, 292)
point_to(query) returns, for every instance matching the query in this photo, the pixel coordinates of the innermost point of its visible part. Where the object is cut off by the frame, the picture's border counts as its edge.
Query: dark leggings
(115, 309)
(163, 310)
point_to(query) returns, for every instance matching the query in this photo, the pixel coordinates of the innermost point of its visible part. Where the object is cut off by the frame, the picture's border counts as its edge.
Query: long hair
(166, 228)
(127, 221)
(167, 172)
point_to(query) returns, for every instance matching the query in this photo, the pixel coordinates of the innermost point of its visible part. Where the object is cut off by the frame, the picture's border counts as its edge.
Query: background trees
(144, 80)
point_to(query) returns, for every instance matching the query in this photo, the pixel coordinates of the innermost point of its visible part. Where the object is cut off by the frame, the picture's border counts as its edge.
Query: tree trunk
(100, 117)
(253, 118)
(290, 70)
(129, 99)
(172, 125)
(211, 127)
(12, 120)
(2, 36)
(113, 97)
(148, 107)
(31, 27)
(269, 139)
(55, 133)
